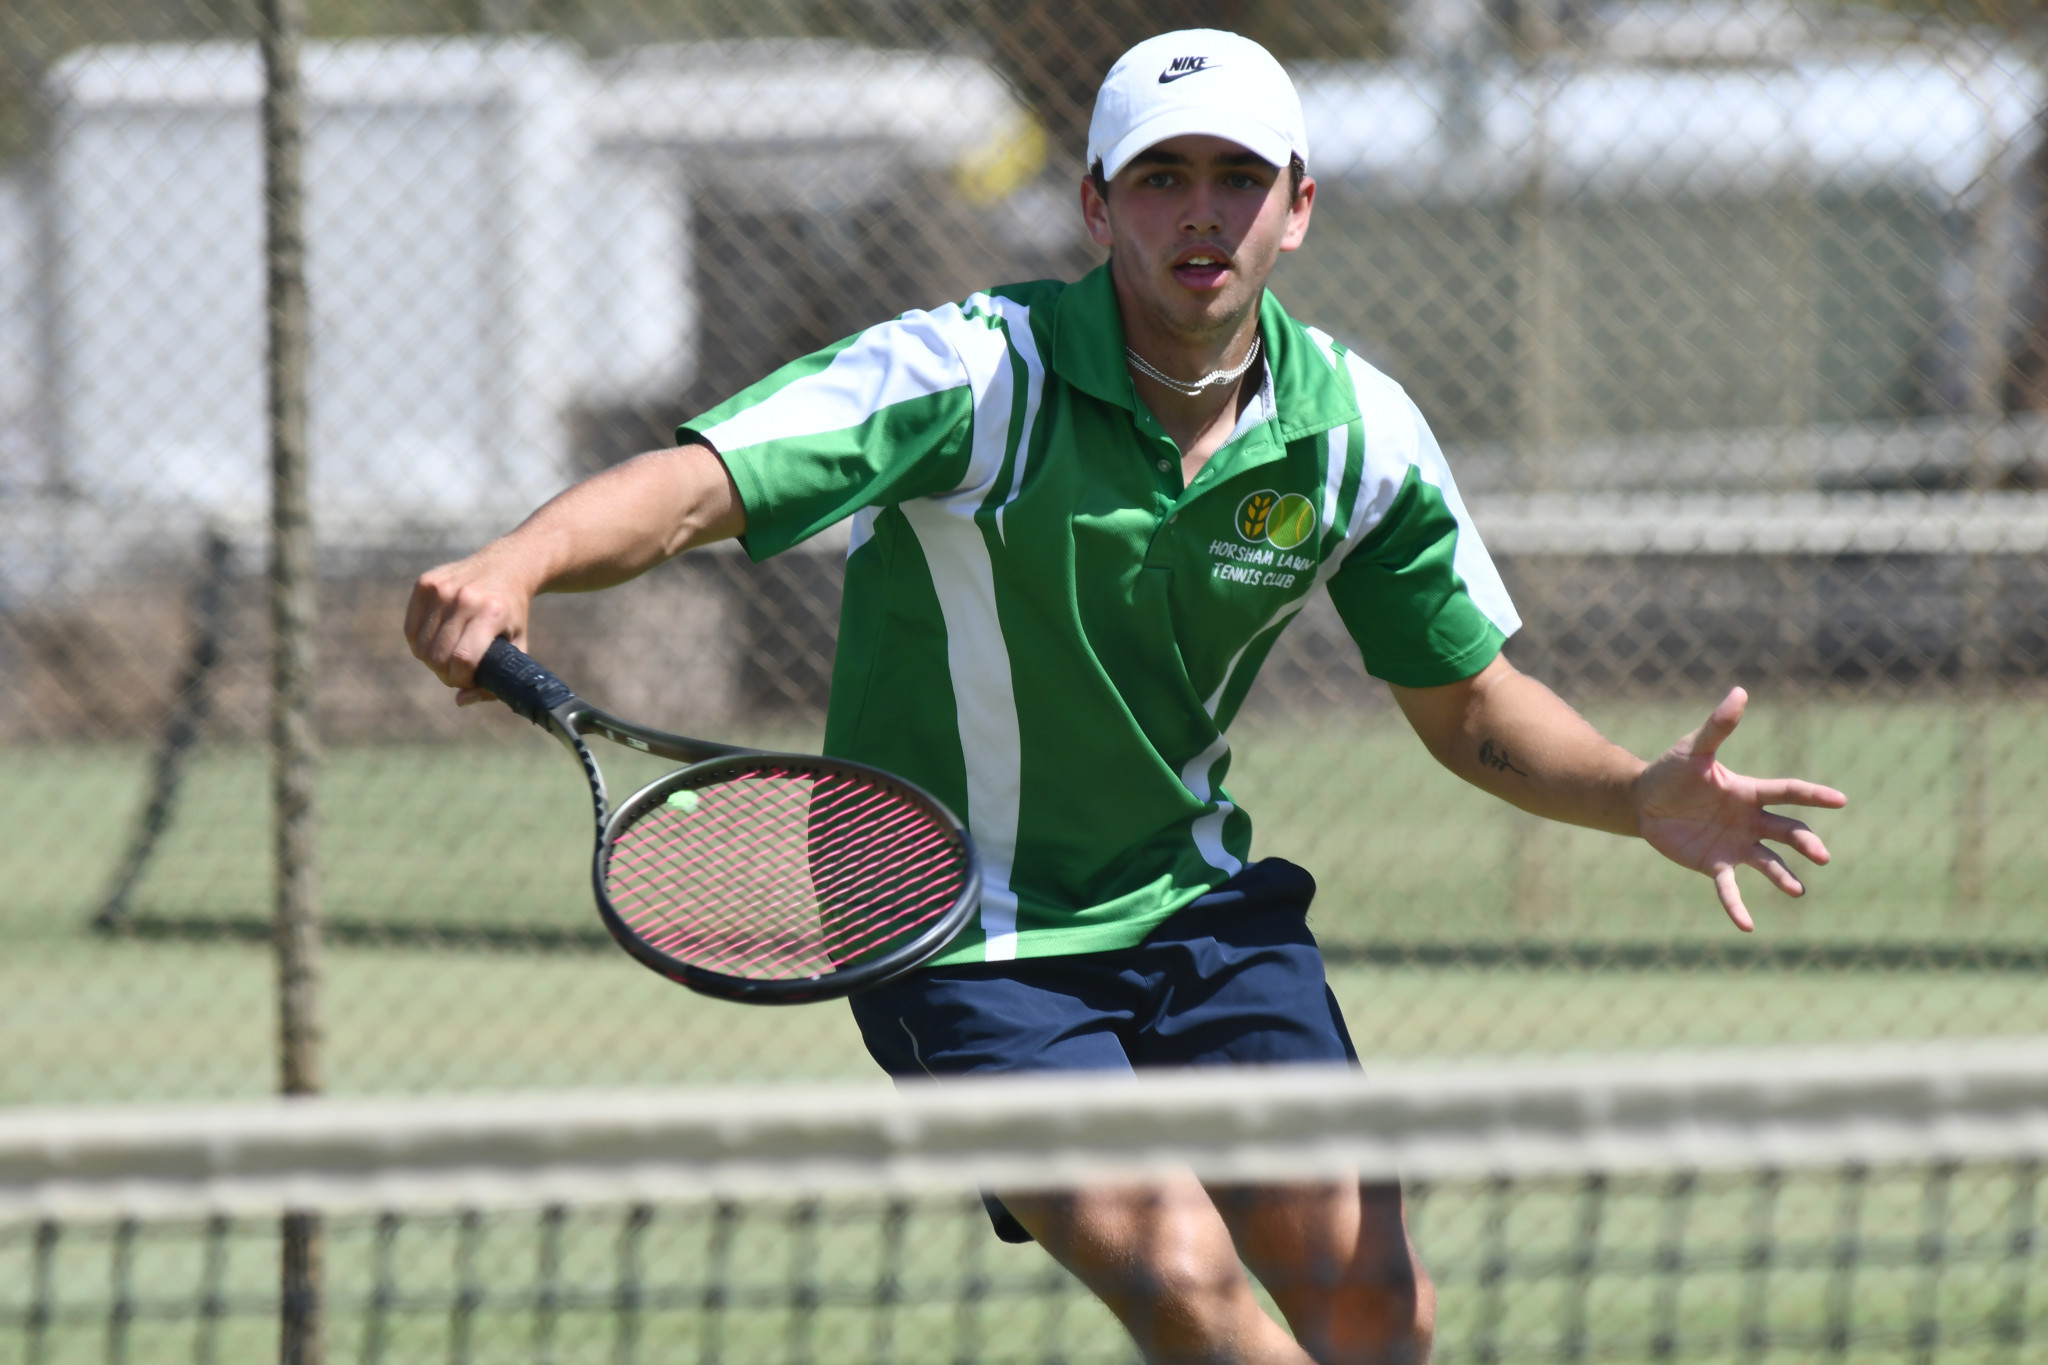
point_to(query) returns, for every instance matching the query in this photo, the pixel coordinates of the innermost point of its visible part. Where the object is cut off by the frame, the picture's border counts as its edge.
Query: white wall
(474, 267)
(22, 458)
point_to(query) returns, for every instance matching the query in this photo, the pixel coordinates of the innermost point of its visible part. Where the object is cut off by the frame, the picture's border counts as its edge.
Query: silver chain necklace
(1207, 381)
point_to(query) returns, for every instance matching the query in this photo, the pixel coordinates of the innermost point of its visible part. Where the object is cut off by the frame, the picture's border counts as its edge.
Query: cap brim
(1261, 139)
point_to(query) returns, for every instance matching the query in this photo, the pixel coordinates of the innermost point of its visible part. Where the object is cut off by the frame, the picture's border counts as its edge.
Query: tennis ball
(1292, 522)
(685, 801)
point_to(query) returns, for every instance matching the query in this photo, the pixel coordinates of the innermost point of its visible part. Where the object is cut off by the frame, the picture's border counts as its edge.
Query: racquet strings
(784, 871)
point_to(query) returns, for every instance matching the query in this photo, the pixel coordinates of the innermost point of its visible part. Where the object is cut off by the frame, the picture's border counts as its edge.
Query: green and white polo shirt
(1046, 630)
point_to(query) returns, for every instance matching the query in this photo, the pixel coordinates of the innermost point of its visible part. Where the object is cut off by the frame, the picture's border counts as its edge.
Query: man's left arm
(1507, 733)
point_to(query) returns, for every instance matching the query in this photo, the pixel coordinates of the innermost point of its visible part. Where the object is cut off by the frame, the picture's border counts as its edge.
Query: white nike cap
(1198, 80)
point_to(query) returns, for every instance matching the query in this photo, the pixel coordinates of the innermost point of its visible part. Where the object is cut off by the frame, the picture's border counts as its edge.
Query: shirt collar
(1303, 389)
(1261, 408)
(1088, 340)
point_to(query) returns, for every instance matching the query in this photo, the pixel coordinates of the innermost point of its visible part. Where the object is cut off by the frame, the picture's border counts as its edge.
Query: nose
(1199, 216)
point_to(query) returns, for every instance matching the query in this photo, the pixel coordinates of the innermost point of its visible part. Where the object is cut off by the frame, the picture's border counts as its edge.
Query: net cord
(1756, 1109)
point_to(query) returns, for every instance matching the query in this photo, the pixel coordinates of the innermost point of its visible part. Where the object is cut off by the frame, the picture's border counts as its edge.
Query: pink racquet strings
(781, 872)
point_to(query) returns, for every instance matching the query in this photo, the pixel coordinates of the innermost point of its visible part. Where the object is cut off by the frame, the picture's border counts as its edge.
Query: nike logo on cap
(1183, 66)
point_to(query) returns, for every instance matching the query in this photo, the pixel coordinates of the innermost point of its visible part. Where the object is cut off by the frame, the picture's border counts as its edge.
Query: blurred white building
(1678, 218)
(502, 232)
(472, 265)
(499, 235)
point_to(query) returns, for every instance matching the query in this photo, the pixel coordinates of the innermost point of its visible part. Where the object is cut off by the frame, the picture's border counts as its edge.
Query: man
(1081, 515)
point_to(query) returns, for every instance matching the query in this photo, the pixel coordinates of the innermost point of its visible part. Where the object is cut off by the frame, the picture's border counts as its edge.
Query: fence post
(1984, 369)
(1538, 264)
(294, 752)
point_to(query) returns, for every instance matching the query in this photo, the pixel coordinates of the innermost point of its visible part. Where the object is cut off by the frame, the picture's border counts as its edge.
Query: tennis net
(1770, 1206)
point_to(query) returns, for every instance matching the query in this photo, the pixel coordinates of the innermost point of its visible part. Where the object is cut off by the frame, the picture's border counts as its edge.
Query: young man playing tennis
(1081, 514)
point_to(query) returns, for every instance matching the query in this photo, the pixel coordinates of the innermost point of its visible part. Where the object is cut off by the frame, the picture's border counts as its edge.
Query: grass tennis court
(493, 833)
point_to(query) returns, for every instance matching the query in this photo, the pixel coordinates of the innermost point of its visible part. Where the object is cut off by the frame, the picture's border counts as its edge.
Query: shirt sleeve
(878, 419)
(1419, 593)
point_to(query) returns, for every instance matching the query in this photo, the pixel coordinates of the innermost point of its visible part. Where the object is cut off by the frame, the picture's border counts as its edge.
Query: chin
(1212, 306)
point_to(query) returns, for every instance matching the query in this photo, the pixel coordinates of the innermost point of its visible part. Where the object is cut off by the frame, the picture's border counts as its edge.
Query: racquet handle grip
(521, 683)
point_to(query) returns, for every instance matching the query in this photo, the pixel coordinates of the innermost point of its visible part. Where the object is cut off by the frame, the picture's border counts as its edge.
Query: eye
(1159, 180)
(1242, 180)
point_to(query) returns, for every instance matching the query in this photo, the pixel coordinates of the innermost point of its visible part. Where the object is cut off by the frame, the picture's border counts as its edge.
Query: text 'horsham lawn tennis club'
(1258, 566)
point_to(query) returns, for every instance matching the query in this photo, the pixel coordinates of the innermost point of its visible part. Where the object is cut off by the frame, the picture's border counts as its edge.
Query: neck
(1188, 361)
(1192, 388)
(1198, 423)
(1183, 352)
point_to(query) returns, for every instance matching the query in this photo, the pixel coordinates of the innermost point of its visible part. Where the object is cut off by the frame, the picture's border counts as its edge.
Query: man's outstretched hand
(1698, 814)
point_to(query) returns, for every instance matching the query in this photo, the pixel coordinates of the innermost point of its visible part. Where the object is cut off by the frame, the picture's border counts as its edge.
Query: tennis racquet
(762, 877)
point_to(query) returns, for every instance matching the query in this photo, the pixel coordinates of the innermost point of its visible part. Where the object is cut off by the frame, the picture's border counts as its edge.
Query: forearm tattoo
(1495, 757)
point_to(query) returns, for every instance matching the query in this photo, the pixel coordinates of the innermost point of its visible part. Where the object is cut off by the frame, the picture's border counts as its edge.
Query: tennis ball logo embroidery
(1273, 524)
(1281, 520)
(1292, 522)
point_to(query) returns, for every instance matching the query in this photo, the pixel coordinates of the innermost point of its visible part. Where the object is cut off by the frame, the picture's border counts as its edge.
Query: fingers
(445, 624)
(1719, 724)
(1774, 870)
(1731, 898)
(1703, 744)
(455, 612)
(418, 608)
(434, 597)
(1783, 829)
(1790, 791)
(461, 642)
(1773, 867)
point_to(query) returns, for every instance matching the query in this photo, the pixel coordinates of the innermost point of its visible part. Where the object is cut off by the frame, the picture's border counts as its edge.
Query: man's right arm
(605, 530)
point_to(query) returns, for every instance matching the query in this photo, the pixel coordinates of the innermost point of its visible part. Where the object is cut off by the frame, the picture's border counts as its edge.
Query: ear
(1298, 214)
(1095, 212)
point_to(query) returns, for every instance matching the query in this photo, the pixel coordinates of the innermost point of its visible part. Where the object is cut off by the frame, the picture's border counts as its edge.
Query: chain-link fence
(1733, 318)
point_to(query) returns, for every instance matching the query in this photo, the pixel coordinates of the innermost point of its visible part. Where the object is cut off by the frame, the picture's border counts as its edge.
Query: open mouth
(1201, 270)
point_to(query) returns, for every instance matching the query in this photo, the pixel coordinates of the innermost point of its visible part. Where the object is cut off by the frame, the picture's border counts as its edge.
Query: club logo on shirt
(1280, 520)
(1253, 512)
(1273, 524)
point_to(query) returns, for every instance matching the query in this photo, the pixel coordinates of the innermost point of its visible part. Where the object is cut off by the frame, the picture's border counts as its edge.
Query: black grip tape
(521, 683)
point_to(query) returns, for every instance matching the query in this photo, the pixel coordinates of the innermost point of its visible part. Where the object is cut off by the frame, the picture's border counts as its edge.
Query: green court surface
(493, 834)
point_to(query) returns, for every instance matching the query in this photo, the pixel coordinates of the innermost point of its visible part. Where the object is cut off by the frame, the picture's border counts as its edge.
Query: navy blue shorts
(1233, 978)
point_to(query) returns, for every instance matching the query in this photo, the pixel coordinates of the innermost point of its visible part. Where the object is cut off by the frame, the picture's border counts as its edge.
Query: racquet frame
(534, 692)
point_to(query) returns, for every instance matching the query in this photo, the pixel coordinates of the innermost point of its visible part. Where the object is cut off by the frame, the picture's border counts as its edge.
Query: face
(1194, 226)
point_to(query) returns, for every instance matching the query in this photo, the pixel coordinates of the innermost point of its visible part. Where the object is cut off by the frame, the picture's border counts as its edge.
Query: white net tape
(1769, 1110)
